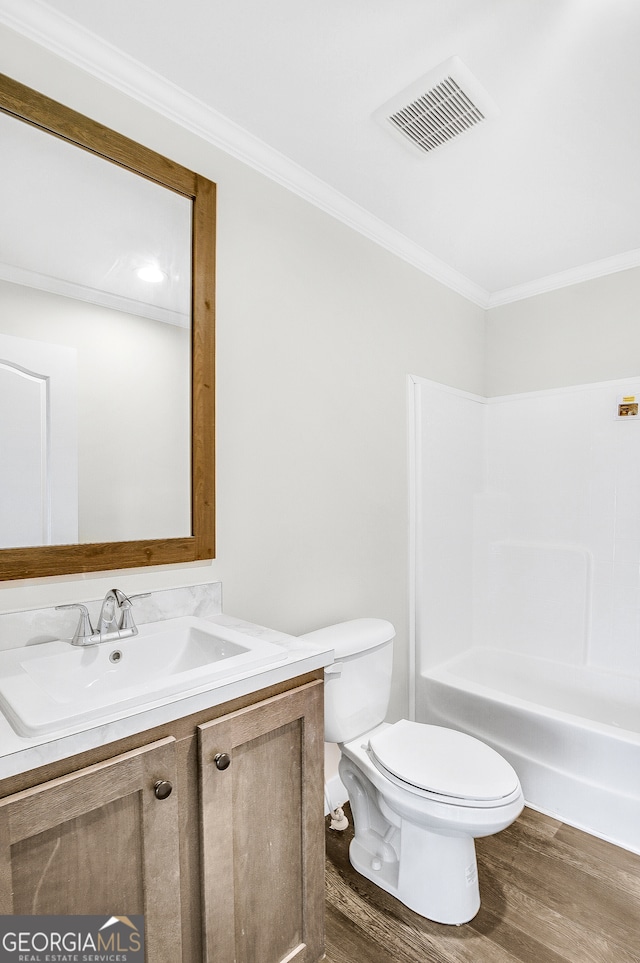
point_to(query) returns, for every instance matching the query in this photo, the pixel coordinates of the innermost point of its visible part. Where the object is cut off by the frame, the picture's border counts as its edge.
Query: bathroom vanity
(210, 823)
(142, 786)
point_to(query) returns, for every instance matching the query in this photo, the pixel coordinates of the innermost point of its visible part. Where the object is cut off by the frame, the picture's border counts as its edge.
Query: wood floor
(550, 894)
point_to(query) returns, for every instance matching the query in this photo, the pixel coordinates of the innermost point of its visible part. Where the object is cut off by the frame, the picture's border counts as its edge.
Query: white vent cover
(439, 107)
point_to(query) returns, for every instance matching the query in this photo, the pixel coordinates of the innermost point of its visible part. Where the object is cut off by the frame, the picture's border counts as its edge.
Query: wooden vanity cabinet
(98, 841)
(226, 868)
(261, 820)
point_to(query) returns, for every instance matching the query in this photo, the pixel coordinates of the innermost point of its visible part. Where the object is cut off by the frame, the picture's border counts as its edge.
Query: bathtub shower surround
(527, 598)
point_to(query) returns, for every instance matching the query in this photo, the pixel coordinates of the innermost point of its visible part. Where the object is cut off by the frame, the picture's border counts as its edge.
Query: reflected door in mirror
(38, 442)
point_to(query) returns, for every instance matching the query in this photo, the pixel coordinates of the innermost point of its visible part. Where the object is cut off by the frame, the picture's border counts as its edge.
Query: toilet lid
(443, 761)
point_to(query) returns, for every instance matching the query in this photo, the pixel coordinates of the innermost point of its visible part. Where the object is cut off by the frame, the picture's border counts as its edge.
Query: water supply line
(338, 819)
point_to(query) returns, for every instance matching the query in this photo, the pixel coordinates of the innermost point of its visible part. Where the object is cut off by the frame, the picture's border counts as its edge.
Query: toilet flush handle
(334, 669)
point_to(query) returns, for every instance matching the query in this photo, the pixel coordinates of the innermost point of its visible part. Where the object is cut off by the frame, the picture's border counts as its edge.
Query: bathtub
(572, 733)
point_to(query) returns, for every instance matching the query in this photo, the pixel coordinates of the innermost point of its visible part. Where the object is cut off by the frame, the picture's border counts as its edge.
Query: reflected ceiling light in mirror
(151, 273)
(115, 222)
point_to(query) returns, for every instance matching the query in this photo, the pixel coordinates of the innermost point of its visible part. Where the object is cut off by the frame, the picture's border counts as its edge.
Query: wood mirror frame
(18, 563)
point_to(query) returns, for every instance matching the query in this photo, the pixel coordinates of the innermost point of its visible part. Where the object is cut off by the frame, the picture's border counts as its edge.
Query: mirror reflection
(95, 348)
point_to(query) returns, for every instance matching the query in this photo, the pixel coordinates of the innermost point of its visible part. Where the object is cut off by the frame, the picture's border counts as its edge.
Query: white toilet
(419, 794)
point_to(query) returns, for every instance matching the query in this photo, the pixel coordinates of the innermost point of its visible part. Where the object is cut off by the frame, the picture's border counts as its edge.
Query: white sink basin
(55, 685)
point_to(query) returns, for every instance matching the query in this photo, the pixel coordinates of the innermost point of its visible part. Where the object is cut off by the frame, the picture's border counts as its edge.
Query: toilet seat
(443, 764)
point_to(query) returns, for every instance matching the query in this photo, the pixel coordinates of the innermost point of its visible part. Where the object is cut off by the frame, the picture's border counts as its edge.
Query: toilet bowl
(418, 843)
(419, 794)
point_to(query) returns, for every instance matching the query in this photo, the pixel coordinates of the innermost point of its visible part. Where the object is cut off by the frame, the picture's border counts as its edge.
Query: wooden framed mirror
(105, 468)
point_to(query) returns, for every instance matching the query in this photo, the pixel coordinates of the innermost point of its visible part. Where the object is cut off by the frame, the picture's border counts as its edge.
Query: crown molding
(564, 279)
(82, 292)
(66, 39)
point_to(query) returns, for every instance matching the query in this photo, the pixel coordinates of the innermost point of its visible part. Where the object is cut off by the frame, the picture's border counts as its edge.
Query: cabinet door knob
(162, 788)
(222, 760)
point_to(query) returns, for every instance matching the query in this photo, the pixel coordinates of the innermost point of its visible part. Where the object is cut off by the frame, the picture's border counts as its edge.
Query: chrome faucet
(111, 613)
(114, 622)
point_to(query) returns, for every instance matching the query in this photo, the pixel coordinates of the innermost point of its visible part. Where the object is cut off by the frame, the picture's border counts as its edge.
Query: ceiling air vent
(439, 107)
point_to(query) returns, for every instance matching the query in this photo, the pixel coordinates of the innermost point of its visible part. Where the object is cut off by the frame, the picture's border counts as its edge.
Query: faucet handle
(119, 596)
(126, 605)
(84, 629)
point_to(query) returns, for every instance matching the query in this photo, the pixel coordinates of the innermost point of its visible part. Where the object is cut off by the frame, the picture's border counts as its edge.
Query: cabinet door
(99, 841)
(262, 826)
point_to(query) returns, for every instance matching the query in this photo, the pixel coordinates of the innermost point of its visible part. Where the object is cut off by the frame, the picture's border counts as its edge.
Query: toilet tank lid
(349, 638)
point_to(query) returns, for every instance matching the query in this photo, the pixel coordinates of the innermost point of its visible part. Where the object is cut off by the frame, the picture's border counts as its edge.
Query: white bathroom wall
(317, 330)
(582, 334)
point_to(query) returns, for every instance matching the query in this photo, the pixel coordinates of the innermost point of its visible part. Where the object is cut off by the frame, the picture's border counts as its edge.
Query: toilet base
(417, 849)
(437, 876)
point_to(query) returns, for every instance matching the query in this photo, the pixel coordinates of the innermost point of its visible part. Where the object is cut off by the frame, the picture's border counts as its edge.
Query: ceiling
(545, 193)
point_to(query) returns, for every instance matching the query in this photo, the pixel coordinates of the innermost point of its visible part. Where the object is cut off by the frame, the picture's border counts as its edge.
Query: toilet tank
(358, 683)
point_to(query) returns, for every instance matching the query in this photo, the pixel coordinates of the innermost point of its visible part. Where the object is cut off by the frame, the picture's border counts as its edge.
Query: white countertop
(20, 754)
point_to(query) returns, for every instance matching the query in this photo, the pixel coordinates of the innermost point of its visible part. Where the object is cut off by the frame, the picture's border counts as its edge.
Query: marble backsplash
(44, 625)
